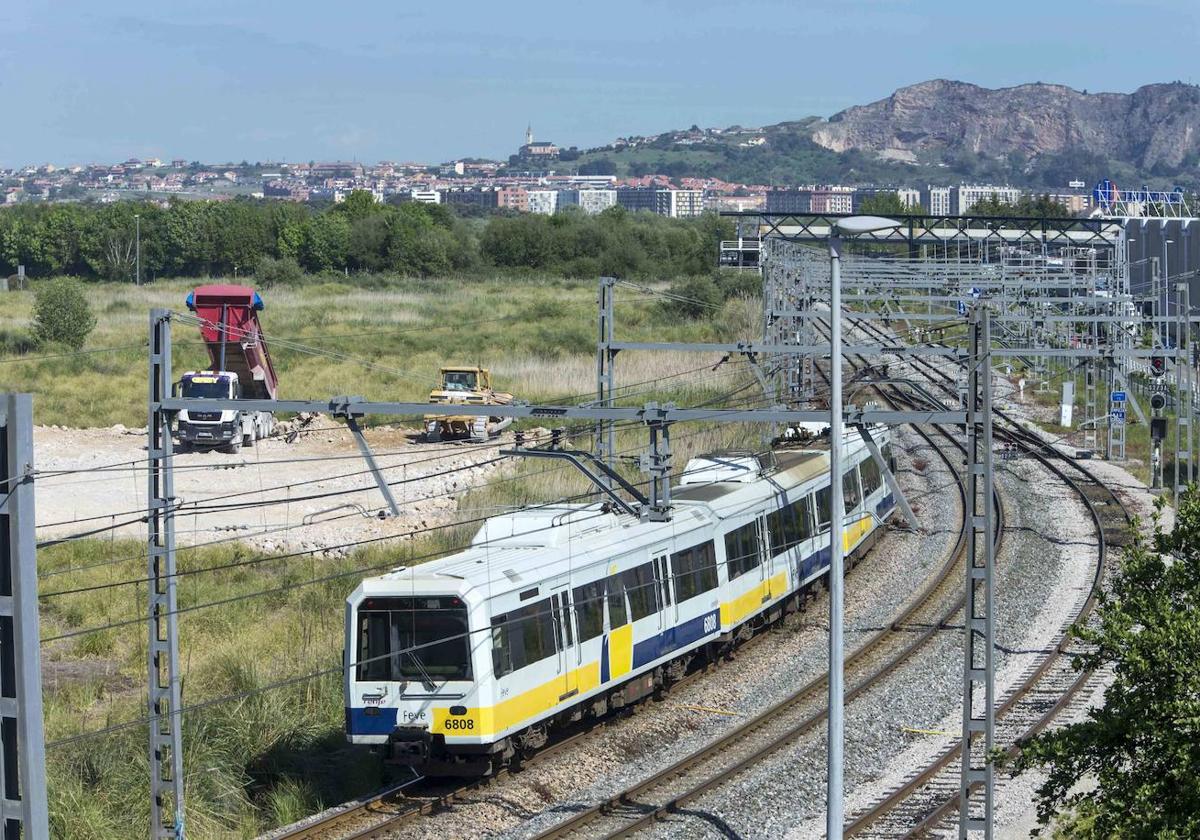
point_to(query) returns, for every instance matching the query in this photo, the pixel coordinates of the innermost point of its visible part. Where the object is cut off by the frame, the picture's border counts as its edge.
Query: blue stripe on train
(672, 639)
(358, 722)
(885, 505)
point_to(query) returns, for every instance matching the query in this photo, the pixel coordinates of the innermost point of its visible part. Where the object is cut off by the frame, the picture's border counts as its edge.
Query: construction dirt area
(306, 487)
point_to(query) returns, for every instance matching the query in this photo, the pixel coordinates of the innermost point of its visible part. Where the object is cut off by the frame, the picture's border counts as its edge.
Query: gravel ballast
(663, 732)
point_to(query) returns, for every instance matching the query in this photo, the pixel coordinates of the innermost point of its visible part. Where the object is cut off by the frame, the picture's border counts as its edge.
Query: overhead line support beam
(23, 804)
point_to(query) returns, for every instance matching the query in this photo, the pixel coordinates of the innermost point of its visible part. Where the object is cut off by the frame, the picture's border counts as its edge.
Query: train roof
(513, 549)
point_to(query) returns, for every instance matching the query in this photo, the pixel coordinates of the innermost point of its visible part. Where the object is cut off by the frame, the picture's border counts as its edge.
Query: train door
(565, 641)
(667, 612)
(766, 563)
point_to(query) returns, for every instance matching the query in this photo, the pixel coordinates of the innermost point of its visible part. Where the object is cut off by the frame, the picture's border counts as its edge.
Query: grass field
(261, 638)
(536, 335)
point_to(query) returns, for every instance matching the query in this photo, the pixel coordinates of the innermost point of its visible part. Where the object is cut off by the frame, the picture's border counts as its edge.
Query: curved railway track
(929, 798)
(638, 806)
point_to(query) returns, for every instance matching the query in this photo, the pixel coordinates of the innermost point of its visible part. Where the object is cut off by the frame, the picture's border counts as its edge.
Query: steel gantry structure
(1054, 294)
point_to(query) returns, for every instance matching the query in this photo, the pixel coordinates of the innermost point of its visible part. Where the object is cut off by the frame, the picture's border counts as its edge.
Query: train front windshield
(423, 639)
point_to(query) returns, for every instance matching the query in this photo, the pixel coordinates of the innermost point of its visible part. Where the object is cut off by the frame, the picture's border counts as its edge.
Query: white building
(967, 196)
(909, 197)
(937, 200)
(679, 204)
(543, 201)
(425, 196)
(589, 201)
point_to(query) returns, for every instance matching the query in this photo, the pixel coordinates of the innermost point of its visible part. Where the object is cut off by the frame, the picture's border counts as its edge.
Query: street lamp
(137, 238)
(847, 227)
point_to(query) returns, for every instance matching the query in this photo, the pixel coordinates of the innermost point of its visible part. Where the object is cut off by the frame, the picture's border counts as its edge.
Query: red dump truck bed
(229, 315)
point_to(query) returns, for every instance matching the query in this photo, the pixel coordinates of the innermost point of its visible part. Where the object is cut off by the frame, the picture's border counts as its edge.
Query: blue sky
(101, 80)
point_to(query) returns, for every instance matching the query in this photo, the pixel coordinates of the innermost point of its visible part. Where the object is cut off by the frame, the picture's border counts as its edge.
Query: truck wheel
(247, 440)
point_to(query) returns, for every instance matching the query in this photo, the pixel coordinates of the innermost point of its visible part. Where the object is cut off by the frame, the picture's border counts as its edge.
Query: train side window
(589, 609)
(695, 570)
(802, 518)
(741, 549)
(501, 646)
(777, 531)
(617, 615)
(522, 637)
(640, 585)
(850, 495)
(872, 478)
(705, 556)
(823, 510)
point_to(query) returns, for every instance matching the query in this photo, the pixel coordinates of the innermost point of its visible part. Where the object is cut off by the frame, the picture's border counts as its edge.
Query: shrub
(692, 298)
(271, 272)
(61, 313)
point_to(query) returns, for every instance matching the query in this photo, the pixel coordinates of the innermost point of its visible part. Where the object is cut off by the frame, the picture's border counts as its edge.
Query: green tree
(1142, 748)
(271, 272)
(61, 312)
(325, 242)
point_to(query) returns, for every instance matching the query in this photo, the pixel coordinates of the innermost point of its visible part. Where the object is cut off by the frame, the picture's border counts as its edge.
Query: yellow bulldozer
(467, 386)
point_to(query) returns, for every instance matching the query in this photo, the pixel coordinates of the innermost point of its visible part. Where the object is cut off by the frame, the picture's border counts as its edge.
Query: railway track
(1050, 687)
(640, 805)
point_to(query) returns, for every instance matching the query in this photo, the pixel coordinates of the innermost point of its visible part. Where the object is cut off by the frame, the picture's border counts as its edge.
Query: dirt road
(213, 489)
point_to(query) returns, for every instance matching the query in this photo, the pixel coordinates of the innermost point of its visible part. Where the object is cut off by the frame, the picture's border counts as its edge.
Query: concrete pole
(833, 825)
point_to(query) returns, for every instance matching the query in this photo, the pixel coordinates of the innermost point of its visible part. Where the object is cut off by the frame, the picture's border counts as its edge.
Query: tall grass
(537, 335)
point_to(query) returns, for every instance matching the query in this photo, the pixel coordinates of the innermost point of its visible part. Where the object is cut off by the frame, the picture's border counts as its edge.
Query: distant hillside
(1036, 135)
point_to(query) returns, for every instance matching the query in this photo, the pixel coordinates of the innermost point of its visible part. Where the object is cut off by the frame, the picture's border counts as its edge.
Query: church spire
(529, 134)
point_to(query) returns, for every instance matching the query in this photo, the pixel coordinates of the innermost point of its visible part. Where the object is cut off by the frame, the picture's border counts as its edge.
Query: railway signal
(1158, 365)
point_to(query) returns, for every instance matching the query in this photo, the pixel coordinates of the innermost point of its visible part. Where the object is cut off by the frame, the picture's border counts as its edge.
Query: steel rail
(946, 760)
(814, 689)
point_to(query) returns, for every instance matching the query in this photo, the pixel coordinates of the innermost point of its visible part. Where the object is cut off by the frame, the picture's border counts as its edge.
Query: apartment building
(965, 196)
(543, 201)
(937, 200)
(590, 201)
(679, 204)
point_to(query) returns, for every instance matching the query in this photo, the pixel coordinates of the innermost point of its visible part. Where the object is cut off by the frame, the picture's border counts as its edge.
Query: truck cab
(228, 430)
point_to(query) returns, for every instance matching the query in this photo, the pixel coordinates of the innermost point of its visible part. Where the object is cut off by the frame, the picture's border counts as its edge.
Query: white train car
(461, 664)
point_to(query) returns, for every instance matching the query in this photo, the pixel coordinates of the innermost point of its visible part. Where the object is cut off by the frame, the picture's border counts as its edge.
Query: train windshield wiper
(426, 681)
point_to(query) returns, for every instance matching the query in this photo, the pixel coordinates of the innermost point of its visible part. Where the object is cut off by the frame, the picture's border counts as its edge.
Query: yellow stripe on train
(491, 720)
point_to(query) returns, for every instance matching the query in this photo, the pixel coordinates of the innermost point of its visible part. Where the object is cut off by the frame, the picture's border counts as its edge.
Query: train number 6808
(710, 624)
(460, 723)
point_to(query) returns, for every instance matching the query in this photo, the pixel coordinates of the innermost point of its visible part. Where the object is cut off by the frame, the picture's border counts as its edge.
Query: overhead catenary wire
(268, 558)
(281, 683)
(201, 504)
(579, 432)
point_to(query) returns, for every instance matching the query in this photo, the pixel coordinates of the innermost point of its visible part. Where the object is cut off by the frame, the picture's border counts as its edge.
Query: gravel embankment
(661, 733)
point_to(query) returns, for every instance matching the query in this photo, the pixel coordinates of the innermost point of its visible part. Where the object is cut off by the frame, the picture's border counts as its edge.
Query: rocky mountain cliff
(1155, 128)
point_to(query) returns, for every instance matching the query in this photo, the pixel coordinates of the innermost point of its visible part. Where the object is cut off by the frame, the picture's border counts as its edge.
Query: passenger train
(553, 614)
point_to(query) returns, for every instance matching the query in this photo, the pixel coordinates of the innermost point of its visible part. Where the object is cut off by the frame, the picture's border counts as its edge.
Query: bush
(61, 313)
(692, 298)
(271, 272)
